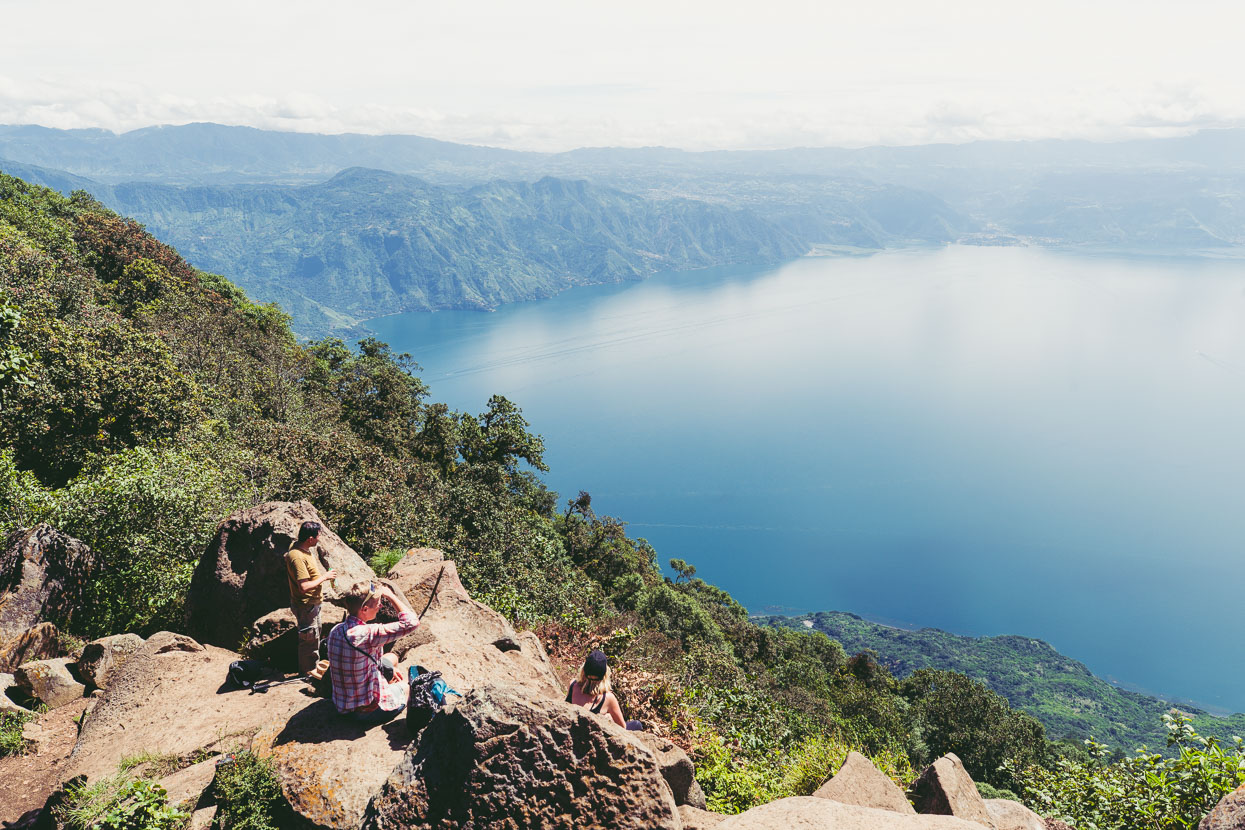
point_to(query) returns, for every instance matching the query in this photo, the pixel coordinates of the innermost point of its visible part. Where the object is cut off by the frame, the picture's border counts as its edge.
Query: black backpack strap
(568, 691)
(375, 662)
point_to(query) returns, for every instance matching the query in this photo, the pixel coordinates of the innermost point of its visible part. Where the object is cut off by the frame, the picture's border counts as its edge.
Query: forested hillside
(142, 400)
(1035, 678)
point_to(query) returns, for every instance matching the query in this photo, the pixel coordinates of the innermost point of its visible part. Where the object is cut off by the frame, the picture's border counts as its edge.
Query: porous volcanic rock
(695, 818)
(503, 759)
(458, 636)
(172, 697)
(39, 642)
(1012, 815)
(1229, 813)
(945, 788)
(676, 768)
(859, 782)
(49, 681)
(809, 813)
(42, 575)
(274, 636)
(101, 658)
(242, 576)
(330, 766)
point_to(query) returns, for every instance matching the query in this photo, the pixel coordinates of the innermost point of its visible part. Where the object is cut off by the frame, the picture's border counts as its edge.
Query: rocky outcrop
(859, 782)
(42, 574)
(171, 697)
(468, 642)
(676, 768)
(49, 681)
(501, 758)
(39, 642)
(188, 786)
(274, 636)
(1229, 813)
(1012, 815)
(101, 658)
(809, 813)
(242, 577)
(945, 788)
(329, 766)
(695, 818)
(8, 681)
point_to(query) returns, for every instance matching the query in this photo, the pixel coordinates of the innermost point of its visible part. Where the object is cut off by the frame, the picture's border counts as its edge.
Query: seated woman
(592, 691)
(357, 667)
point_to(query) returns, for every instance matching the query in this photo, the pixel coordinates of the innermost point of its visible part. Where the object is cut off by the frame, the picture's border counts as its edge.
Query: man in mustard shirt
(302, 565)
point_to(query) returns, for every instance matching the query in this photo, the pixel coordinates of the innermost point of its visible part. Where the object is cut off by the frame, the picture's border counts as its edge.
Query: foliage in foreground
(248, 796)
(1148, 791)
(11, 725)
(120, 803)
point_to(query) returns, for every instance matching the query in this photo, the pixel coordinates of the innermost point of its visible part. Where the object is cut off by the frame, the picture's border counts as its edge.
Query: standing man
(302, 564)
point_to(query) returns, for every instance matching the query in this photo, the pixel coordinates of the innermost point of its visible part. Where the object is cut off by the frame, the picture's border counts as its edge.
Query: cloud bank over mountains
(555, 74)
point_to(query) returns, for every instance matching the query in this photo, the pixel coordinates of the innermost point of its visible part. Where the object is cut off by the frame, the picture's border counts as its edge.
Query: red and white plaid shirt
(357, 681)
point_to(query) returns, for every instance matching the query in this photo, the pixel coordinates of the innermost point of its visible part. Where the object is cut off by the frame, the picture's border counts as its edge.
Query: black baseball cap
(596, 664)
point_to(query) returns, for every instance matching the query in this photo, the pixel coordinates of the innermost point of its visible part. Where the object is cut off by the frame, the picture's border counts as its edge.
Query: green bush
(120, 803)
(248, 796)
(11, 725)
(1147, 790)
(382, 561)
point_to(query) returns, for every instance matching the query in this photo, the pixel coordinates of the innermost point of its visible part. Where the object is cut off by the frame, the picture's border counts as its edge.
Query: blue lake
(984, 440)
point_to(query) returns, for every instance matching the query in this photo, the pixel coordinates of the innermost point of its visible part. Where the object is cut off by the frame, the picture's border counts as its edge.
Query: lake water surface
(984, 440)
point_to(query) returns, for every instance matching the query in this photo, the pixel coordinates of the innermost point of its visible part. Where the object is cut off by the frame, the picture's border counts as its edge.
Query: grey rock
(274, 636)
(1012, 815)
(945, 788)
(242, 577)
(859, 782)
(694, 818)
(1228, 814)
(101, 658)
(49, 681)
(502, 758)
(42, 575)
(676, 768)
(188, 786)
(8, 681)
(809, 813)
(39, 642)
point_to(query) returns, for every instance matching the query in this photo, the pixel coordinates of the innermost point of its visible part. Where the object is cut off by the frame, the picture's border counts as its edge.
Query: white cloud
(555, 74)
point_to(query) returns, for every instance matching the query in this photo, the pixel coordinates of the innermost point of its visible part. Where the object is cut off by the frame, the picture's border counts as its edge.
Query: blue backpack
(427, 696)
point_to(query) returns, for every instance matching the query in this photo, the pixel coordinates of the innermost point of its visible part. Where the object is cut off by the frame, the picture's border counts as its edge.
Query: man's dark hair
(307, 531)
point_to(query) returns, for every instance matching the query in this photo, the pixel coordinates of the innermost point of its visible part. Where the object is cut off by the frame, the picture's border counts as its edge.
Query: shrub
(248, 796)
(382, 561)
(11, 725)
(120, 803)
(1147, 790)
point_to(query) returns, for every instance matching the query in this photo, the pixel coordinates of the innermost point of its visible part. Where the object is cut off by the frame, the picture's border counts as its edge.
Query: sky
(559, 74)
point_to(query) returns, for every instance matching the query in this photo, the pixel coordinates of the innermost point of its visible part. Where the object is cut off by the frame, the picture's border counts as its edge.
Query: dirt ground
(29, 779)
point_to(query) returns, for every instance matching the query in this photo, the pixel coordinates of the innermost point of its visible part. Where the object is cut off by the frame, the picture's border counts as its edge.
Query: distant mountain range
(339, 228)
(1069, 700)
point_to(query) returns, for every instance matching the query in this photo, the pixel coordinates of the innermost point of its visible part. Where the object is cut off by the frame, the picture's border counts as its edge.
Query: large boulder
(330, 766)
(49, 681)
(501, 758)
(189, 786)
(1012, 815)
(101, 658)
(676, 768)
(8, 681)
(859, 782)
(42, 575)
(172, 697)
(468, 642)
(274, 636)
(242, 577)
(39, 642)
(695, 818)
(945, 788)
(809, 813)
(1229, 813)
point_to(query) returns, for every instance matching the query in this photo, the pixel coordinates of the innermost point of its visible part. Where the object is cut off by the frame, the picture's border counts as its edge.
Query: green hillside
(1069, 700)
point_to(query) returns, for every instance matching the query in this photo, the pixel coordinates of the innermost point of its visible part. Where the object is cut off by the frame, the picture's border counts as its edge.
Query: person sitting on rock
(592, 691)
(364, 681)
(302, 566)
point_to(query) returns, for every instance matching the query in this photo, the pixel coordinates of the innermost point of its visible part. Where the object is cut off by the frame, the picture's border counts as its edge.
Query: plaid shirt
(357, 681)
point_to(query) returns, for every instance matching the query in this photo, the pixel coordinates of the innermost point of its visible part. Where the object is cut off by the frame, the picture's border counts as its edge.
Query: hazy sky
(555, 74)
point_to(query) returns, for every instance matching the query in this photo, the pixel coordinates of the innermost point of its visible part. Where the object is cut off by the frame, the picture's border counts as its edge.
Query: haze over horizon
(556, 75)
